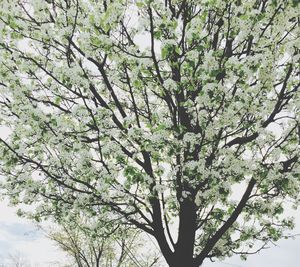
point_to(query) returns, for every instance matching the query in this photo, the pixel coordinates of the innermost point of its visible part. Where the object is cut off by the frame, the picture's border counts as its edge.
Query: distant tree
(91, 245)
(180, 118)
(15, 259)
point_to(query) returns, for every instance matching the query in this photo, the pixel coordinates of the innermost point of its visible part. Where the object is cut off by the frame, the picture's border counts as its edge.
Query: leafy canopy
(180, 118)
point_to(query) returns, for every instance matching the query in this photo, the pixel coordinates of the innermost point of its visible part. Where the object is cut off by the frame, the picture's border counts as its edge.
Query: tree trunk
(181, 262)
(184, 249)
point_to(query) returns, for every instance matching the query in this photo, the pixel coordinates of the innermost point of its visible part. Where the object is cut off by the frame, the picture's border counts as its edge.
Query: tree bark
(184, 248)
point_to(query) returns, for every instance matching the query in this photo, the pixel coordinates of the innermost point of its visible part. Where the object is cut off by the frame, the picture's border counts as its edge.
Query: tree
(89, 244)
(15, 259)
(180, 118)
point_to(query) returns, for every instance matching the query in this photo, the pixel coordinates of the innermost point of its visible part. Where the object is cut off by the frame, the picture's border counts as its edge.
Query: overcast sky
(20, 236)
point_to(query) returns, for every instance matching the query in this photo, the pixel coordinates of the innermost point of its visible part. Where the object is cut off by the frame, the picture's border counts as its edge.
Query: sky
(20, 237)
(286, 253)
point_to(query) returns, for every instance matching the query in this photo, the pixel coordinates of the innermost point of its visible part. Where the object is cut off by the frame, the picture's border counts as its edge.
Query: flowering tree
(180, 118)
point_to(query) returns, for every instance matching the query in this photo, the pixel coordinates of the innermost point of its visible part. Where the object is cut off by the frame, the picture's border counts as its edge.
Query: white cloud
(8, 214)
(20, 236)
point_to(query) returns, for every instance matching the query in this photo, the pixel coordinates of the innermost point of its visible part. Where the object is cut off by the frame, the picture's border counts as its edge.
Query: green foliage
(154, 113)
